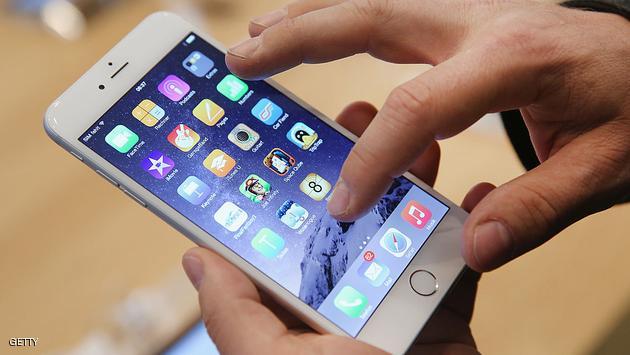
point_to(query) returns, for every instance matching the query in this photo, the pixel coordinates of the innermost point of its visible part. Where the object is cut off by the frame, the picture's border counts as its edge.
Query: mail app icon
(375, 272)
(208, 112)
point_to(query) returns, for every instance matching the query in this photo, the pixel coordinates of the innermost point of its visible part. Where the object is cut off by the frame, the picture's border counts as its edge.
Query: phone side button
(76, 155)
(142, 203)
(423, 282)
(106, 177)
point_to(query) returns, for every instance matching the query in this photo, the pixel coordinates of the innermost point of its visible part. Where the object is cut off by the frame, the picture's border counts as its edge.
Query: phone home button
(423, 282)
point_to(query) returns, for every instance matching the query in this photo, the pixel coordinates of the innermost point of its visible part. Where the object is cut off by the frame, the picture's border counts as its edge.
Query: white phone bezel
(398, 318)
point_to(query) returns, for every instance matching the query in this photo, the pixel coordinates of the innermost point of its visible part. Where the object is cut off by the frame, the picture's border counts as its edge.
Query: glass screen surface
(255, 169)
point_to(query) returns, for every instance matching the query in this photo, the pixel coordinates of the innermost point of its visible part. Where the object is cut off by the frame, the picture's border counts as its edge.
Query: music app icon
(416, 214)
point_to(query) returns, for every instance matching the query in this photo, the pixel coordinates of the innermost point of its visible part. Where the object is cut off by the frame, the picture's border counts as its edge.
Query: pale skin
(233, 309)
(566, 70)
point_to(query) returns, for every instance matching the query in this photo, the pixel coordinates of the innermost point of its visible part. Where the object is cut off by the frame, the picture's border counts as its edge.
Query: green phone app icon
(232, 87)
(351, 302)
(268, 243)
(122, 138)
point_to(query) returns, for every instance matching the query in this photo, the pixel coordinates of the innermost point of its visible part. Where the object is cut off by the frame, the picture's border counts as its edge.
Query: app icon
(219, 163)
(174, 88)
(292, 214)
(351, 302)
(279, 161)
(395, 242)
(122, 138)
(375, 272)
(315, 186)
(416, 214)
(230, 216)
(198, 64)
(243, 136)
(208, 112)
(157, 164)
(193, 190)
(232, 87)
(302, 135)
(266, 111)
(148, 113)
(255, 188)
(183, 137)
(268, 243)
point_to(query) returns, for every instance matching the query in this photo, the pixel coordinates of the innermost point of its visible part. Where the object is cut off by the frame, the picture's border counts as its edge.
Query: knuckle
(363, 156)
(525, 34)
(374, 10)
(535, 217)
(407, 103)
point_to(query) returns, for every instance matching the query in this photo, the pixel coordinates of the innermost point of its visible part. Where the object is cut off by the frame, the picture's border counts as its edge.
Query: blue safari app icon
(395, 242)
(198, 64)
(267, 111)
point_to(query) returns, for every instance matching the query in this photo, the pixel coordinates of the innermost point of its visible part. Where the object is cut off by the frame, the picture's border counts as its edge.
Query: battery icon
(190, 39)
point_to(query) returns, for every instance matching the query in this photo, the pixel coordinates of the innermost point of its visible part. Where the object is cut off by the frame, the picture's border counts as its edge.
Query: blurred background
(88, 271)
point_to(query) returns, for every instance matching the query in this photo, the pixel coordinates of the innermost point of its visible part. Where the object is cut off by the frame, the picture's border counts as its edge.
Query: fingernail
(271, 18)
(246, 48)
(492, 244)
(194, 269)
(338, 204)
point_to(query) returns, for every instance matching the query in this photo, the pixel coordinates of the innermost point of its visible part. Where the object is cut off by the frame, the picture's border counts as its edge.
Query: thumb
(230, 305)
(531, 209)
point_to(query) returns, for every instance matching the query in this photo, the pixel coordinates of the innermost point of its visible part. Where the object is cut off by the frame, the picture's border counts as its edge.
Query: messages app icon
(351, 302)
(122, 138)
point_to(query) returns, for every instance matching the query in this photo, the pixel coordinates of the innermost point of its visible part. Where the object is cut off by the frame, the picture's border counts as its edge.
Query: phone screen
(255, 169)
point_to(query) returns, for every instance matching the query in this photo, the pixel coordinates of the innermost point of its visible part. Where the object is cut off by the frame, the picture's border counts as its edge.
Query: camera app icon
(243, 136)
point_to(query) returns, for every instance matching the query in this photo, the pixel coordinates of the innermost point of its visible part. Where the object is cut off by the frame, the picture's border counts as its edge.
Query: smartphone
(246, 168)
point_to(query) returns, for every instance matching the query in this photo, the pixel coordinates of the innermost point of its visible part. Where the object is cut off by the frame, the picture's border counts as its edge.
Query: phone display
(254, 169)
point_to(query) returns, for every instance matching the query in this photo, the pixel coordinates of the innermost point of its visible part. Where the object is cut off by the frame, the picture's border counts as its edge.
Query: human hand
(233, 309)
(567, 71)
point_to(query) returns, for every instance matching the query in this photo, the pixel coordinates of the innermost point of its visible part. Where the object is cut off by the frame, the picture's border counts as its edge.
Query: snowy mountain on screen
(333, 244)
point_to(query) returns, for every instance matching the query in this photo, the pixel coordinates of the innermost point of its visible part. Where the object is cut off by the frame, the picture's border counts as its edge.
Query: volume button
(112, 181)
(136, 198)
(76, 155)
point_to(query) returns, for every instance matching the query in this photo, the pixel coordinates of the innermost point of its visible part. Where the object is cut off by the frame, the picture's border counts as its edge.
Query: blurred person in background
(567, 70)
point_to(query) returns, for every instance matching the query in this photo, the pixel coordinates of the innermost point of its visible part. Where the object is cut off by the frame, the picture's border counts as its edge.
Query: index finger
(437, 104)
(324, 33)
